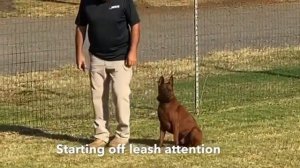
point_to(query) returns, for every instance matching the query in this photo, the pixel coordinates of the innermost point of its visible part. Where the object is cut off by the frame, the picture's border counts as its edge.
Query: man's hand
(80, 61)
(135, 37)
(131, 59)
(79, 40)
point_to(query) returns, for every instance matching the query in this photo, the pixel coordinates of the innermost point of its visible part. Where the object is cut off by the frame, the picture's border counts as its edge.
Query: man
(113, 32)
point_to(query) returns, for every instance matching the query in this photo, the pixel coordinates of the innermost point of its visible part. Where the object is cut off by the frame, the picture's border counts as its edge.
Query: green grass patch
(241, 89)
(255, 136)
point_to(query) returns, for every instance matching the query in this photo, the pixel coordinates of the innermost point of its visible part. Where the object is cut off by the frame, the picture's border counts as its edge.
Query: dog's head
(165, 90)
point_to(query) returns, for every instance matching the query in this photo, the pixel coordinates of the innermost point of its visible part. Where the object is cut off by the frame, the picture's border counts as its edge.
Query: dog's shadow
(27, 131)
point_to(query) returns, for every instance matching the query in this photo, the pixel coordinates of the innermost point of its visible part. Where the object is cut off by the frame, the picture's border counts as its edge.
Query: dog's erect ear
(161, 80)
(171, 81)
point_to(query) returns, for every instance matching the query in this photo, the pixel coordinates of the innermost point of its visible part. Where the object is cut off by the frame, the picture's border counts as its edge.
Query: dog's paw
(161, 145)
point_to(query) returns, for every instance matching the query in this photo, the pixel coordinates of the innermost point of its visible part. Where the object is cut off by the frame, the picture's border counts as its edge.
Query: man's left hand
(131, 59)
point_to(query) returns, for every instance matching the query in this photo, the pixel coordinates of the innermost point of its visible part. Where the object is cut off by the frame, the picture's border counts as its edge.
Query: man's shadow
(27, 131)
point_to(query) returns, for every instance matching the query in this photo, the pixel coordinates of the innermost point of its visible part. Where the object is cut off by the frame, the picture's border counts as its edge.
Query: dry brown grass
(253, 59)
(27, 84)
(220, 63)
(38, 8)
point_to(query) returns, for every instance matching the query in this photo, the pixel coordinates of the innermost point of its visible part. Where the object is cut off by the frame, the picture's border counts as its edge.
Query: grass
(41, 8)
(250, 109)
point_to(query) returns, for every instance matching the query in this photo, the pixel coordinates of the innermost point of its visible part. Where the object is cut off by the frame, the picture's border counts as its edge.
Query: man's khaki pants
(101, 74)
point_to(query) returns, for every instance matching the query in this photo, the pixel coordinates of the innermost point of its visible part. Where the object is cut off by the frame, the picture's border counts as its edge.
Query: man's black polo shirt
(108, 26)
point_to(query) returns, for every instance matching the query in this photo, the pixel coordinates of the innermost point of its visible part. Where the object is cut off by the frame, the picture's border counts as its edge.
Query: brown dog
(174, 118)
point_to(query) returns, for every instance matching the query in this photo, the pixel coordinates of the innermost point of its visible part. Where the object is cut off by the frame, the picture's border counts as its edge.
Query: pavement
(37, 44)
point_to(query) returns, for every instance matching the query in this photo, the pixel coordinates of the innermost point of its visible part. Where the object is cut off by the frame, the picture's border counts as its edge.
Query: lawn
(250, 101)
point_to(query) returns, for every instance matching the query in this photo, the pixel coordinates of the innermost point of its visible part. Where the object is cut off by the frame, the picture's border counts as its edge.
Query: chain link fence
(248, 53)
(41, 87)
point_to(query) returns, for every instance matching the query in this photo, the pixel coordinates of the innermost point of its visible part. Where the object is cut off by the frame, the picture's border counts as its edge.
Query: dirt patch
(7, 6)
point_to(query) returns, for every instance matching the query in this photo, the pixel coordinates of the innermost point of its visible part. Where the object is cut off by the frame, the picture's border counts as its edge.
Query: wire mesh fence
(248, 53)
(41, 87)
(249, 56)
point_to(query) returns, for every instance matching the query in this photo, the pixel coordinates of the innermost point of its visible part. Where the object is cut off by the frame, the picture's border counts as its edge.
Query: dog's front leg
(176, 133)
(161, 137)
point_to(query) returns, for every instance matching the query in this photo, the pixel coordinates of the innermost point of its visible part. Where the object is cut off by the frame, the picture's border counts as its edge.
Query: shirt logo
(114, 7)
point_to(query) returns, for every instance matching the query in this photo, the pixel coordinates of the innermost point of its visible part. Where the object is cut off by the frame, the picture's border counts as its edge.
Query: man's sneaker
(97, 143)
(118, 141)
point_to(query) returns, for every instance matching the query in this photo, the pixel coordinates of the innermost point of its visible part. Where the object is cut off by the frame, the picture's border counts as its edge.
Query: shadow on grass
(142, 107)
(61, 1)
(276, 72)
(40, 133)
(148, 142)
(27, 131)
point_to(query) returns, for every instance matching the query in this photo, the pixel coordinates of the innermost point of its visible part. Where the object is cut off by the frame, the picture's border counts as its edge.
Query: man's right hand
(80, 61)
(79, 40)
